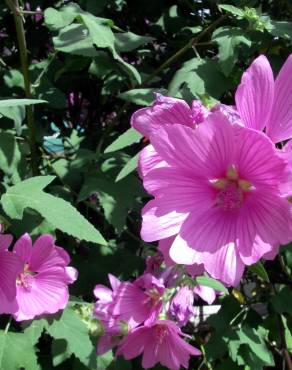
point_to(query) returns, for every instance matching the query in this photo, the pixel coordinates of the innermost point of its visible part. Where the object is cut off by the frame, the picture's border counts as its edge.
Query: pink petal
(133, 344)
(204, 152)
(165, 110)
(149, 160)
(225, 264)
(114, 281)
(257, 160)
(10, 267)
(42, 250)
(279, 127)
(103, 293)
(23, 248)
(71, 273)
(181, 253)
(150, 353)
(208, 231)
(206, 293)
(162, 218)
(164, 247)
(254, 95)
(7, 306)
(5, 241)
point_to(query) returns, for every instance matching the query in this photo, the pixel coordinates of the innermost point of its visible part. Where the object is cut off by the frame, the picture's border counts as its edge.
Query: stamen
(232, 173)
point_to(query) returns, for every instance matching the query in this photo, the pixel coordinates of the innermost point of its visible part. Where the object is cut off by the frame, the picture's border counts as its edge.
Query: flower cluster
(221, 177)
(146, 315)
(34, 277)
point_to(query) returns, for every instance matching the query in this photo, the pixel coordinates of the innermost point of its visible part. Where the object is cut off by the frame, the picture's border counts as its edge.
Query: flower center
(230, 197)
(230, 190)
(153, 298)
(25, 278)
(160, 332)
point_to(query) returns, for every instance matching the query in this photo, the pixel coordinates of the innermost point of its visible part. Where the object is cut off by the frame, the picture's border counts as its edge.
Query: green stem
(14, 7)
(8, 325)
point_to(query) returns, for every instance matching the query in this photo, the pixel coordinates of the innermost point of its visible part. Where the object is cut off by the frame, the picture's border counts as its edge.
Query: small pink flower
(182, 305)
(159, 342)
(42, 285)
(139, 301)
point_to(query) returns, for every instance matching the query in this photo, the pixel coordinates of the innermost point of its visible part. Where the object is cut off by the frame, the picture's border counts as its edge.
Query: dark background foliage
(95, 62)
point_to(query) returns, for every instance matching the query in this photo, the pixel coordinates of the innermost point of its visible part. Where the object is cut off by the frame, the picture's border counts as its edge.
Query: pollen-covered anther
(219, 183)
(231, 173)
(245, 185)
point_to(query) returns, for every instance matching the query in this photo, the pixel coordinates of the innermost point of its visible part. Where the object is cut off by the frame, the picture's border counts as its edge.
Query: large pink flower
(160, 342)
(219, 192)
(42, 285)
(263, 103)
(10, 267)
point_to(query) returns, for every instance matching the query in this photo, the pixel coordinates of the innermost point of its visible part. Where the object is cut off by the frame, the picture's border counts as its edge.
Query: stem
(14, 7)
(8, 325)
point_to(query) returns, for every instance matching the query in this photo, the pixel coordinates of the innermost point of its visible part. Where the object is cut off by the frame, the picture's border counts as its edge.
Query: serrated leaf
(259, 269)
(61, 214)
(17, 352)
(128, 168)
(73, 330)
(34, 329)
(212, 283)
(19, 102)
(129, 137)
(229, 39)
(128, 41)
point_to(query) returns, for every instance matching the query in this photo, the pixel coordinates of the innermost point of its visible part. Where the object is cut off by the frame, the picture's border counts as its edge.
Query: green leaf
(116, 198)
(201, 76)
(10, 156)
(259, 269)
(19, 102)
(73, 330)
(280, 29)
(232, 9)
(212, 283)
(55, 19)
(34, 329)
(281, 302)
(129, 137)
(128, 41)
(141, 96)
(128, 168)
(17, 352)
(229, 39)
(16, 114)
(60, 351)
(75, 39)
(61, 214)
(103, 37)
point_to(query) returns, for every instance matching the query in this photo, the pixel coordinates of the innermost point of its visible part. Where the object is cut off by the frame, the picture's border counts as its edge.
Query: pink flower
(160, 342)
(10, 267)
(111, 323)
(138, 301)
(182, 305)
(219, 192)
(263, 103)
(42, 285)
